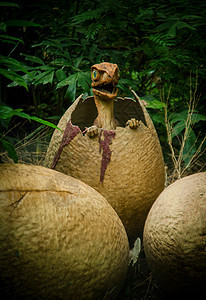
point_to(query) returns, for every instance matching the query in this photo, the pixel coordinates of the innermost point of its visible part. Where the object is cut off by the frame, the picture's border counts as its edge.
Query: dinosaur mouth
(108, 89)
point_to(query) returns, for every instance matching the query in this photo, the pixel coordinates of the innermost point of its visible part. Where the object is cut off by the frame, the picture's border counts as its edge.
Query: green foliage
(10, 69)
(9, 4)
(51, 45)
(8, 146)
(179, 120)
(17, 23)
(178, 131)
(139, 36)
(6, 113)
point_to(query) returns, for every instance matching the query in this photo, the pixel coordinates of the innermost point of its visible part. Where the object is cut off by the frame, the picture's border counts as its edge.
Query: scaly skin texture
(105, 77)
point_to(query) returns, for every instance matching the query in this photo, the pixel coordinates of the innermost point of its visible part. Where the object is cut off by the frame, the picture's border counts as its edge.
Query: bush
(51, 45)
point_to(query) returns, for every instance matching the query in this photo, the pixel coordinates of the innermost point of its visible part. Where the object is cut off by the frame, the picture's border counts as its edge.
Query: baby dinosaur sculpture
(105, 78)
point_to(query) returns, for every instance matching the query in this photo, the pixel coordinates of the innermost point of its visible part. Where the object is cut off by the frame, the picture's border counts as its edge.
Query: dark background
(48, 48)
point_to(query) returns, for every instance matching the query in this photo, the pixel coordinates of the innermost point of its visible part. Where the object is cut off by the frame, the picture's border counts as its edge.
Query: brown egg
(175, 238)
(125, 165)
(59, 238)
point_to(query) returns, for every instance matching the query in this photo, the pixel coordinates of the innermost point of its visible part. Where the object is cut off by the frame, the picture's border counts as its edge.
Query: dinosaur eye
(94, 74)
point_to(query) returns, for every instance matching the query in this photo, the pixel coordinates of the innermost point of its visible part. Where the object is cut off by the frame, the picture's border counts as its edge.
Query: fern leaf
(92, 30)
(162, 39)
(88, 15)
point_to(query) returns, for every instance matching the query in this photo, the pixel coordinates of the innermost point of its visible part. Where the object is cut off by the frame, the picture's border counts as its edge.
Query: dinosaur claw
(92, 131)
(133, 123)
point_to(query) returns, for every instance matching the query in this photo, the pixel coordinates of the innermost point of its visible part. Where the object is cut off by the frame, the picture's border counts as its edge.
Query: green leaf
(10, 149)
(177, 117)
(162, 39)
(66, 81)
(182, 116)
(190, 147)
(33, 58)
(7, 112)
(157, 118)
(61, 62)
(164, 26)
(124, 84)
(22, 23)
(39, 120)
(47, 123)
(144, 14)
(178, 25)
(27, 78)
(14, 77)
(71, 90)
(155, 104)
(88, 15)
(195, 118)
(9, 4)
(77, 61)
(9, 39)
(50, 42)
(13, 64)
(44, 77)
(172, 31)
(60, 75)
(84, 80)
(178, 128)
(3, 26)
(92, 30)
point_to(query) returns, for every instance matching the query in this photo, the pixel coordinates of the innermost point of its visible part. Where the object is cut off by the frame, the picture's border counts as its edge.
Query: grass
(185, 160)
(32, 148)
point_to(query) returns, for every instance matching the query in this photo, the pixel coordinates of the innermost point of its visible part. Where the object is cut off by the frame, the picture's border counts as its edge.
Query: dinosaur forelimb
(92, 131)
(133, 123)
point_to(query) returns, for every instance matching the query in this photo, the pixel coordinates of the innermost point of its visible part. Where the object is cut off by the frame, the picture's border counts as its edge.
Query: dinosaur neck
(105, 117)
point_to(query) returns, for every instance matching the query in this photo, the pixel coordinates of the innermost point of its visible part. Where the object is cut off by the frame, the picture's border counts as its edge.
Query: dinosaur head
(104, 80)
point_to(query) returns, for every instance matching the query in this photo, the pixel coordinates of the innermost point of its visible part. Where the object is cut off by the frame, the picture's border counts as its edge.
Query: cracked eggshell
(135, 175)
(175, 237)
(59, 238)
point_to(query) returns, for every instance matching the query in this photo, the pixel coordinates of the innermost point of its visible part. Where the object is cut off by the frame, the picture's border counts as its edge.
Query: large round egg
(125, 165)
(175, 238)
(59, 238)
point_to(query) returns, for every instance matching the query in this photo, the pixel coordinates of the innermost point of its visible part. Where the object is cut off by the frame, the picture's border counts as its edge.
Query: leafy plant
(185, 146)
(155, 45)
(6, 113)
(10, 69)
(178, 130)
